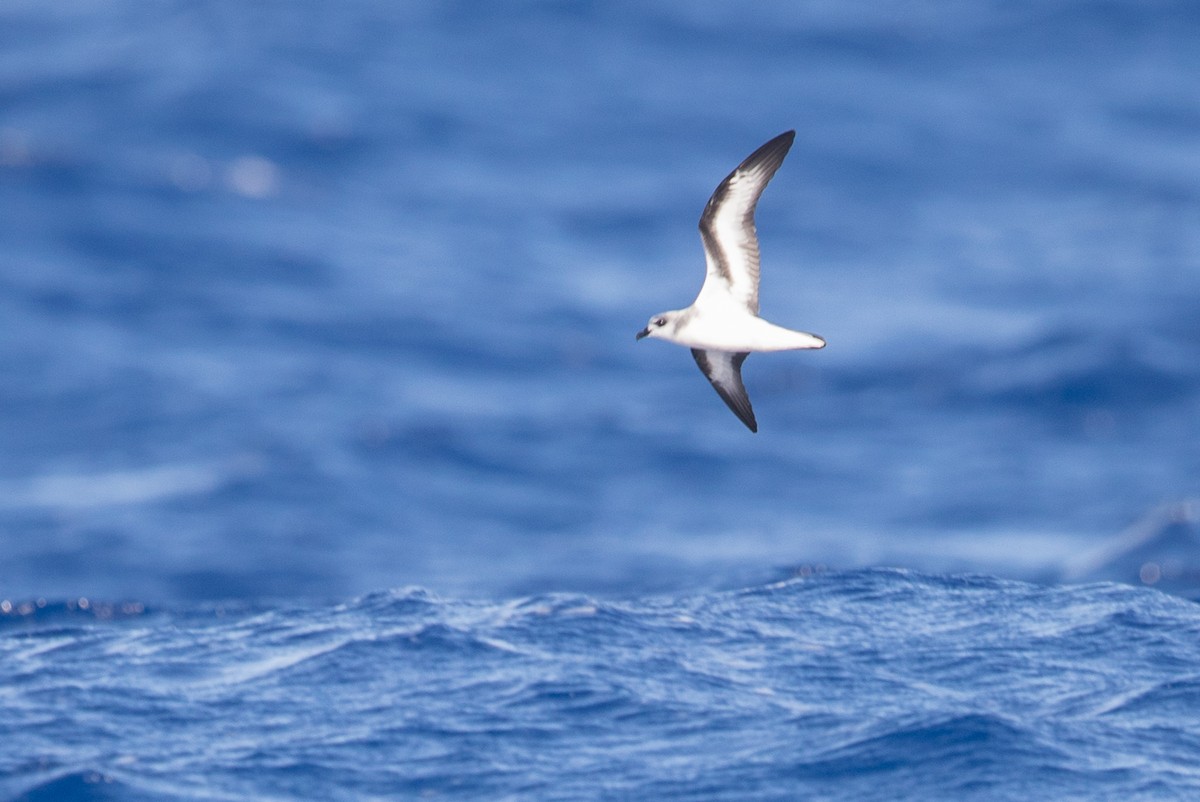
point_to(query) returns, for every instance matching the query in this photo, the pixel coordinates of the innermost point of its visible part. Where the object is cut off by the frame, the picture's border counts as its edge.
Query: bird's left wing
(727, 227)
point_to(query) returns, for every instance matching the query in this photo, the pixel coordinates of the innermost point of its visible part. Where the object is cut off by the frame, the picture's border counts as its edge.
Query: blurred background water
(308, 300)
(303, 301)
(311, 300)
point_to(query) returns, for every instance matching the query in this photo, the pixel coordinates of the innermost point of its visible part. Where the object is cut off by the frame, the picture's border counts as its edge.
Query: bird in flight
(722, 326)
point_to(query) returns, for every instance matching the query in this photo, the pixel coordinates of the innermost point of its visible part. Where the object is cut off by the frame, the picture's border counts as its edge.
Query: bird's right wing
(724, 371)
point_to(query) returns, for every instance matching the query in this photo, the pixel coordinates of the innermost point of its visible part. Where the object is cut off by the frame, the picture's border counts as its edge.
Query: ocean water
(878, 684)
(301, 304)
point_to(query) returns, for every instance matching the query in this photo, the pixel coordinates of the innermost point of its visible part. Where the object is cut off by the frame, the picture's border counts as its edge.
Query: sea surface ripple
(877, 684)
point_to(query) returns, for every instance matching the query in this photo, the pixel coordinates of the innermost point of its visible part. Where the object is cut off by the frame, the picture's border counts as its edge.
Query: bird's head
(661, 325)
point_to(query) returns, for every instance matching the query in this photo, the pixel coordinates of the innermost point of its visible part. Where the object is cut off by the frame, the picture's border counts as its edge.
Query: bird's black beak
(644, 333)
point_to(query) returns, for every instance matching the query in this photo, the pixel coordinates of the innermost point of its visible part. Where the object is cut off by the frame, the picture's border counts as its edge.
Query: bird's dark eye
(662, 321)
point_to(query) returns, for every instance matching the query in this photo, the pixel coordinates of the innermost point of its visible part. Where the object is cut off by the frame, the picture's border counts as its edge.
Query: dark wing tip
(771, 153)
(764, 161)
(741, 396)
(748, 418)
(734, 396)
(785, 139)
(740, 407)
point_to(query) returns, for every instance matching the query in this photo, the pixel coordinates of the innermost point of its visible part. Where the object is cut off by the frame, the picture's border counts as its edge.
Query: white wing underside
(727, 229)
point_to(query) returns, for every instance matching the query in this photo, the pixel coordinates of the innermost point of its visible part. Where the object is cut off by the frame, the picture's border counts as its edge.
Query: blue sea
(330, 468)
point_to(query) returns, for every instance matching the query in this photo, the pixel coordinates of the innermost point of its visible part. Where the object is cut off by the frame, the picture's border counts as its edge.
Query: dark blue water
(303, 302)
(874, 685)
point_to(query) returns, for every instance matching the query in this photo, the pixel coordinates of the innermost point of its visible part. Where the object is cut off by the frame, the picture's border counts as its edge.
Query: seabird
(722, 326)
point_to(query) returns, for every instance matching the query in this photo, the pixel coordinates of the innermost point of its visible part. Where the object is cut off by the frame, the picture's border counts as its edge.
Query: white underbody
(736, 331)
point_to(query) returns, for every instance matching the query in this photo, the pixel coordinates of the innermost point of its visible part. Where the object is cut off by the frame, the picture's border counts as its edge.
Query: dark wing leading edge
(724, 370)
(727, 227)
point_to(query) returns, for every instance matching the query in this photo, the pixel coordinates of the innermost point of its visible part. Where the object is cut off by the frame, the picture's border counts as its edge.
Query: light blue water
(301, 302)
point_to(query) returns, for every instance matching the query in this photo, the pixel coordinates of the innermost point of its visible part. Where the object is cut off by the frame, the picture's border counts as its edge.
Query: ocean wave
(839, 684)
